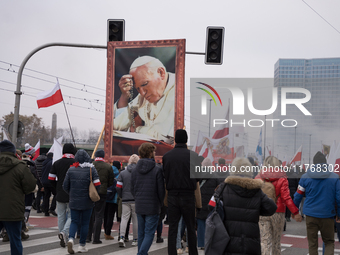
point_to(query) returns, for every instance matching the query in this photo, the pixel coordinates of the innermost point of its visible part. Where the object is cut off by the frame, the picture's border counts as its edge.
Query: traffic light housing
(115, 30)
(214, 46)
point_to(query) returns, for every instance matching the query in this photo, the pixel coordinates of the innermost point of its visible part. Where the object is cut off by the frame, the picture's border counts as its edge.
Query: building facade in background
(322, 78)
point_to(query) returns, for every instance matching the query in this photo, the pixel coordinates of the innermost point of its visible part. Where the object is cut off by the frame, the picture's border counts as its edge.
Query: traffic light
(115, 30)
(214, 45)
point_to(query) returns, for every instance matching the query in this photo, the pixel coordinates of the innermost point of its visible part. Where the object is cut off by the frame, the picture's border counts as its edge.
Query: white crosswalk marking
(29, 243)
(45, 241)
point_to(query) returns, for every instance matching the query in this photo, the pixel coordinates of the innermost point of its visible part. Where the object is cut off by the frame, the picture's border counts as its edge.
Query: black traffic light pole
(21, 69)
(214, 45)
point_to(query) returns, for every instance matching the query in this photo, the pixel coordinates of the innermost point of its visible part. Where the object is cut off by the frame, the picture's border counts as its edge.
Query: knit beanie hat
(29, 149)
(133, 159)
(116, 164)
(181, 136)
(236, 170)
(100, 154)
(68, 148)
(7, 146)
(319, 158)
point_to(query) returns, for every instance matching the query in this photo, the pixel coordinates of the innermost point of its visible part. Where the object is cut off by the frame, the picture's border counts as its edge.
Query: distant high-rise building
(54, 126)
(322, 78)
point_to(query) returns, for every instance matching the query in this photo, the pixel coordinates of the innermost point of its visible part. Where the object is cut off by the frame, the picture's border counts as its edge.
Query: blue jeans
(147, 225)
(80, 218)
(14, 234)
(200, 232)
(64, 217)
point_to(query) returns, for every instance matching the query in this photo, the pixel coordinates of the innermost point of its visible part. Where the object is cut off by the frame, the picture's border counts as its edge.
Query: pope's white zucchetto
(140, 61)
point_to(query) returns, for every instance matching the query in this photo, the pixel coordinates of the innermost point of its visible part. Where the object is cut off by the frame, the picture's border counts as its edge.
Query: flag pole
(68, 120)
(99, 138)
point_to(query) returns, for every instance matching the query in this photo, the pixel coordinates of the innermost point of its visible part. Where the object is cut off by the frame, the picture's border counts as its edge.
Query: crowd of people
(255, 207)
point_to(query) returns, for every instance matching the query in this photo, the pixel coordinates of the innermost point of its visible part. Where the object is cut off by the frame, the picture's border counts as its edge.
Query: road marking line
(286, 245)
(295, 236)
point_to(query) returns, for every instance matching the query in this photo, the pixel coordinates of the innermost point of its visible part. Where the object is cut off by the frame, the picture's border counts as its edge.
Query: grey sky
(257, 34)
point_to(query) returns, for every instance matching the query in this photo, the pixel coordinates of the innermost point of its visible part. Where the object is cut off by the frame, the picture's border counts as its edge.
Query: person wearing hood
(106, 179)
(147, 187)
(322, 189)
(76, 184)
(243, 203)
(123, 188)
(16, 180)
(272, 227)
(56, 177)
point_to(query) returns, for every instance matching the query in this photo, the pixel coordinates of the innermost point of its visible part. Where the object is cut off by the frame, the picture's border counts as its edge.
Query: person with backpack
(207, 188)
(277, 188)
(243, 202)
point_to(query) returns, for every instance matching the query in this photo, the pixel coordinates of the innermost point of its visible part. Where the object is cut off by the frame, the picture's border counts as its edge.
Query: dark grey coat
(124, 184)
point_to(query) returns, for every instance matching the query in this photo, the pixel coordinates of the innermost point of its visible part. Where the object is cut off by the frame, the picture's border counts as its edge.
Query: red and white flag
(206, 152)
(224, 128)
(297, 156)
(37, 150)
(199, 142)
(268, 150)
(50, 97)
(334, 161)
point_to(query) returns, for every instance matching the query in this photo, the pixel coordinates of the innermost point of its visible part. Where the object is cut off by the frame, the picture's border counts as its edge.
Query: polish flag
(268, 150)
(297, 156)
(199, 142)
(334, 161)
(206, 152)
(37, 150)
(50, 97)
(224, 128)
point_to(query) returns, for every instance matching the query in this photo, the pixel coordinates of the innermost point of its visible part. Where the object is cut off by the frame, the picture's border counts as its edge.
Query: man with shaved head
(151, 112)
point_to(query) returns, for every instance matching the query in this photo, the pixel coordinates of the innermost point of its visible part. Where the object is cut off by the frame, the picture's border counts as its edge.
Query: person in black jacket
(147, 187)
(243, 203)
(40, 193)
(48, 188)
(293, 181)
(57, 176)
(181, 191)
(106, 179)
(208, 187)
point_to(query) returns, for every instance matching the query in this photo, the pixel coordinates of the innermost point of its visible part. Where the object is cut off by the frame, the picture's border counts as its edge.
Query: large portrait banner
(144, 96)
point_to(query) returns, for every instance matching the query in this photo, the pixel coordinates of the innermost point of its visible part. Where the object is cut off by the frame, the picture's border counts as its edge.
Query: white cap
(140, 61)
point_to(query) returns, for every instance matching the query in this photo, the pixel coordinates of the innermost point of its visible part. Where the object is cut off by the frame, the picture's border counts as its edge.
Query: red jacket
(280, 182)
